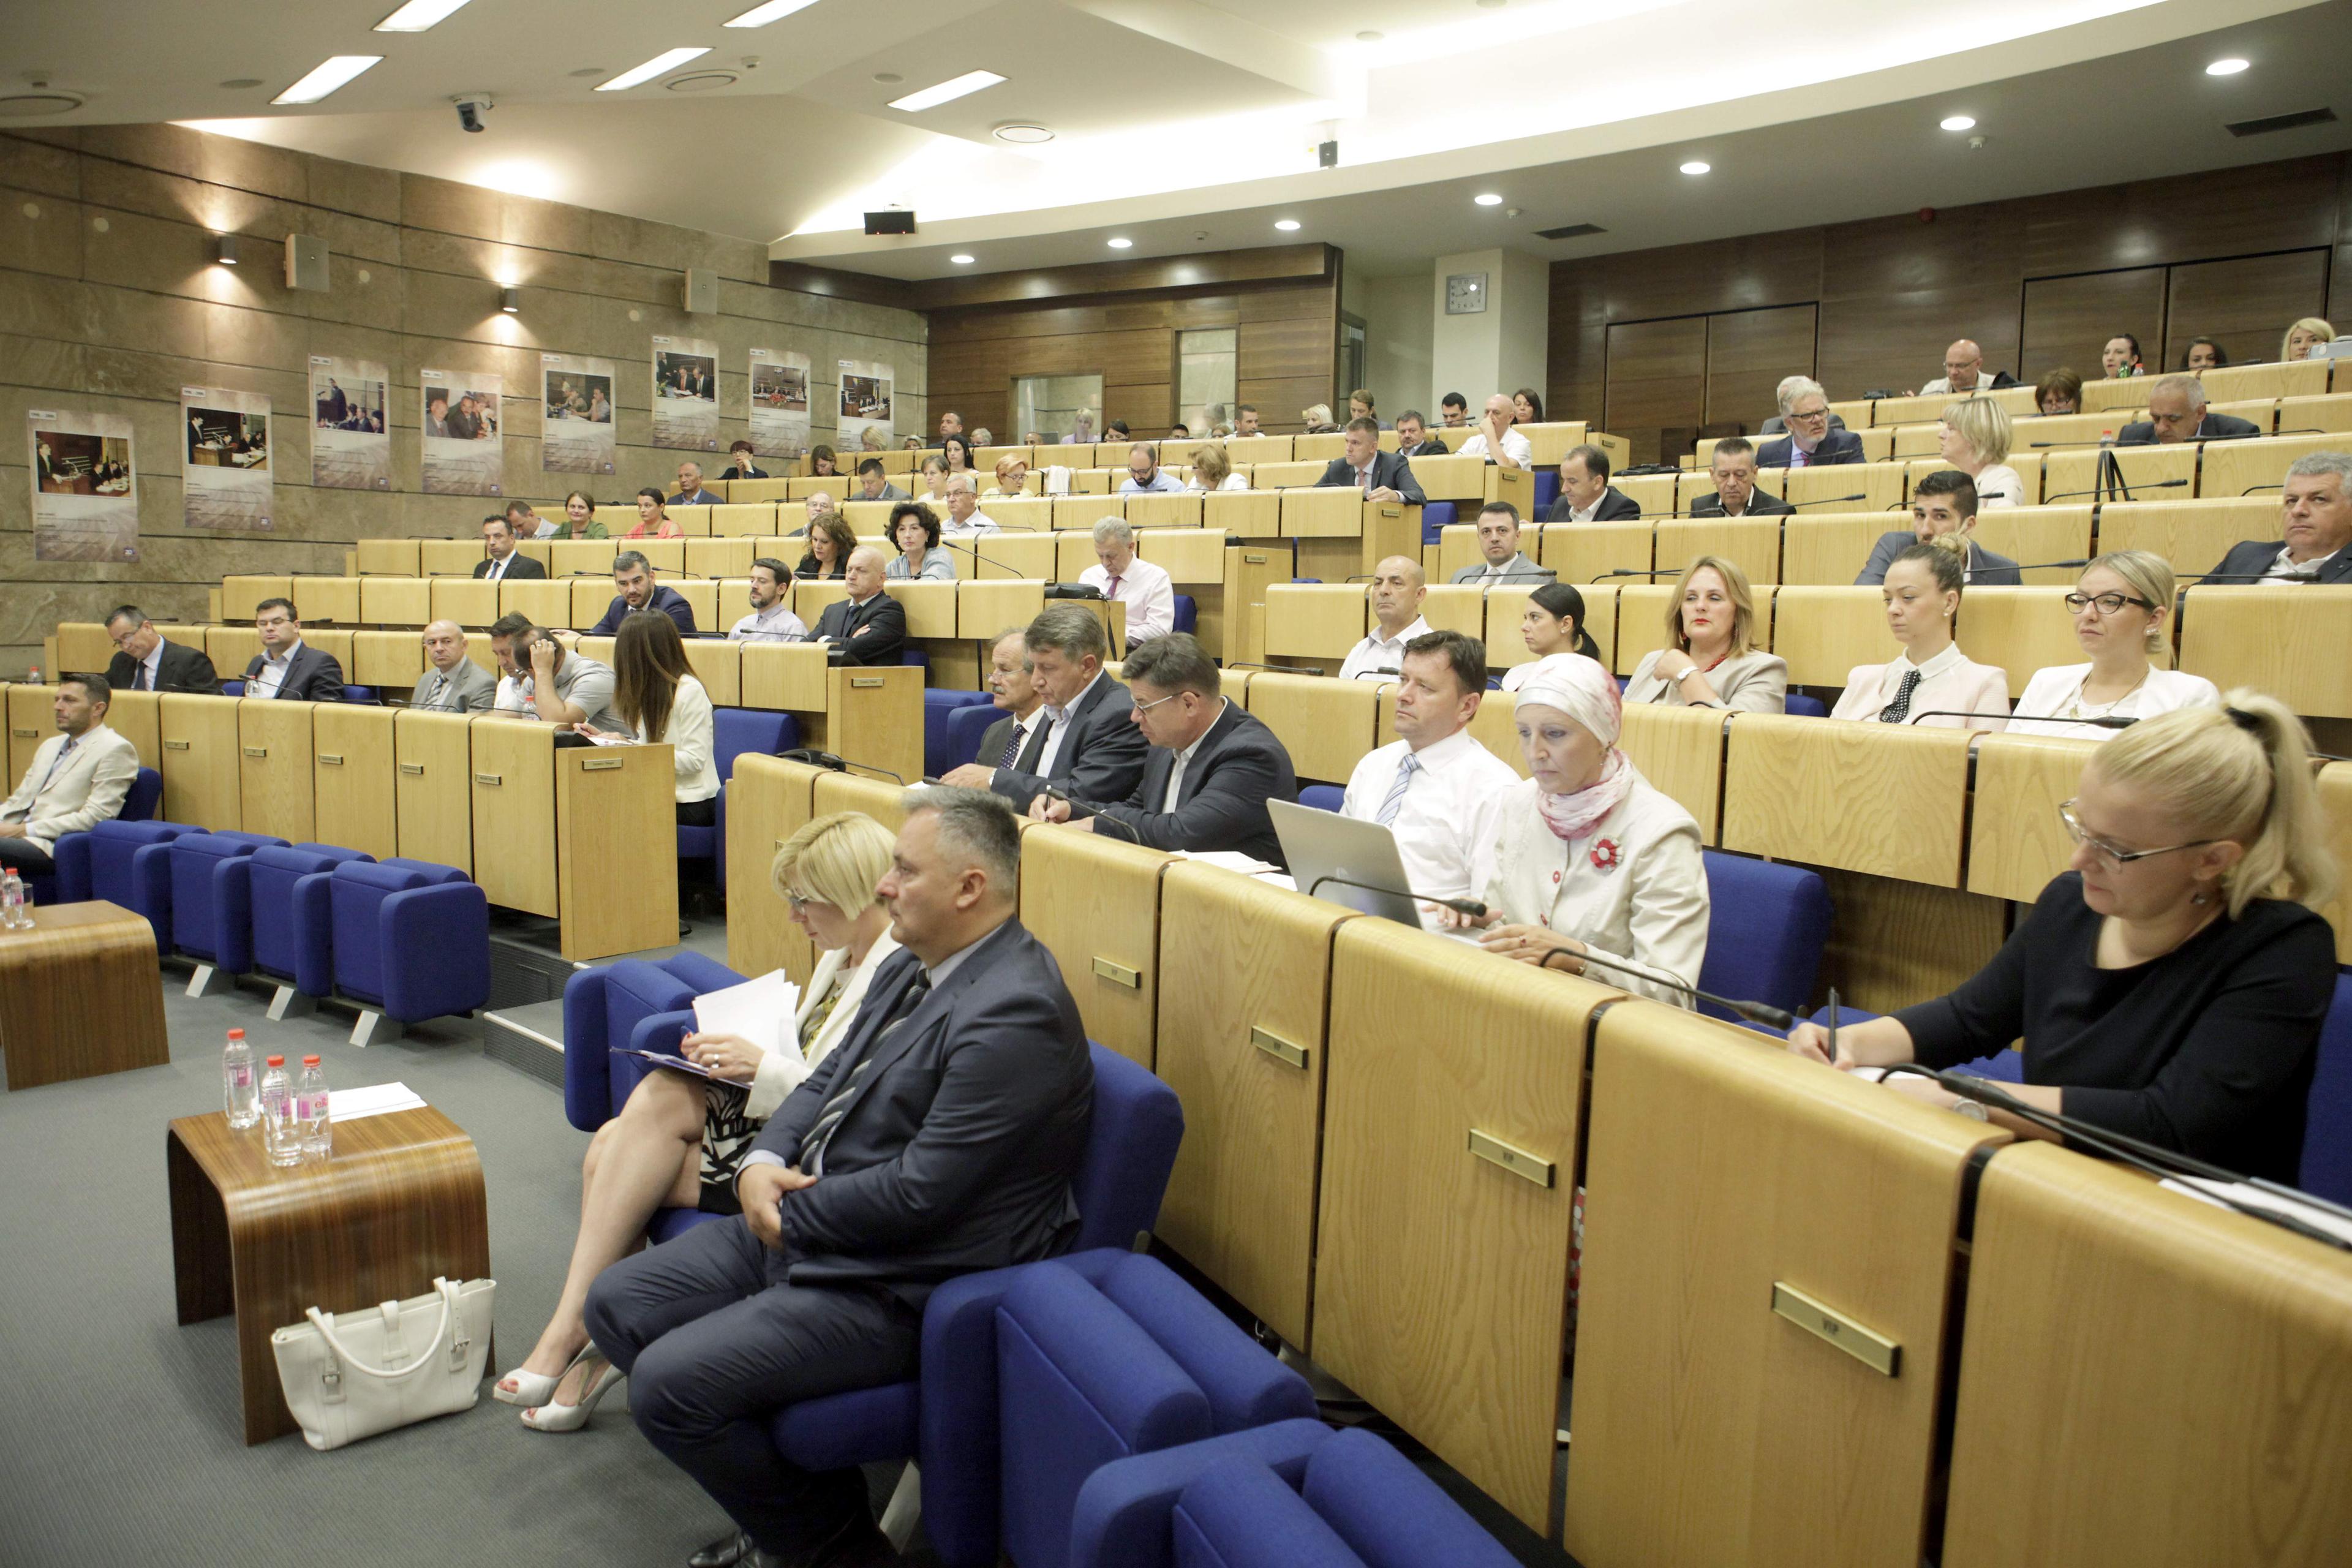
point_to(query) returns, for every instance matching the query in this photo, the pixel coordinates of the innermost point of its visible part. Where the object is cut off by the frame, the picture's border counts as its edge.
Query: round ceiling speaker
(27, 105)
(701, 81)
(1024, 134)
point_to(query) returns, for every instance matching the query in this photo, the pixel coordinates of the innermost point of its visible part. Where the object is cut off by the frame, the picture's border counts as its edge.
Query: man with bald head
(818, 505)
(454, 683)
(869, 626)
(2177, 414)
(1399, 585)
(1964, 372)
(1496, 441)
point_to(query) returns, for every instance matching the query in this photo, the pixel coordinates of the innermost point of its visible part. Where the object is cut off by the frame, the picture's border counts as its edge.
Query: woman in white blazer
(1710, 660)
(2121, 604)
(1933, 677)
(656, 693)
(677, 1141)
(1592, 859)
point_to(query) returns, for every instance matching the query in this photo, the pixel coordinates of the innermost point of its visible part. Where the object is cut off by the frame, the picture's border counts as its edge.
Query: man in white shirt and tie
(1496, 441)
(79, 778)
(1013, 688)
(1399, 585)
(1149, 592)
(770, 620)
(1437, 788)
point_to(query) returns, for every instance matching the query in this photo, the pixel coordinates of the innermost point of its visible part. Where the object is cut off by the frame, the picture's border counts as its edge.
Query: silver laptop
(1321, 844)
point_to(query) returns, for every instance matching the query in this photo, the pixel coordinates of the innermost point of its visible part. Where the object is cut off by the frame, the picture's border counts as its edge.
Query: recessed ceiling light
(331, 75)
(1369, 36)
(701, 81)
(1487, 199)
(961, 260)
(1288, 224)
(947, 91)
(2225, 68)
(590, 71)
(419, 14)
(1696, 167)
(1491, 4)
(1120, 242)
(888, 78)
(774, 11)
(1022, 133)
(1959, 123)
(652, 69)
(239, 83)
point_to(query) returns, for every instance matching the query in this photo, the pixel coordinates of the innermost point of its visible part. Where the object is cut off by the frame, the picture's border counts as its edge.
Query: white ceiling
(1189, 125)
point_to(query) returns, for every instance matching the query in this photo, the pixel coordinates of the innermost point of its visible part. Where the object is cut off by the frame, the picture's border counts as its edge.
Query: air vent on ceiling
(2281, 122)
(1570, 231)
(26, 105)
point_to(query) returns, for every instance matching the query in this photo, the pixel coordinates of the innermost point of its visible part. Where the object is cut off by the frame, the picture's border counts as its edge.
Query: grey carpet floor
(120, 1430)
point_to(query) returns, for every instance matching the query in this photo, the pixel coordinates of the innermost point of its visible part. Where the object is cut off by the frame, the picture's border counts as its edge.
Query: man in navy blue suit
(940, 1138)
(1810, 442)
(2314, 526)
(2177, 414)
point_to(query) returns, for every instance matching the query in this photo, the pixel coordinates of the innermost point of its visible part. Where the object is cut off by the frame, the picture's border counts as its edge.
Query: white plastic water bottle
(311, 1111)
(12, 903)
(241, 1095)
(281, 1135)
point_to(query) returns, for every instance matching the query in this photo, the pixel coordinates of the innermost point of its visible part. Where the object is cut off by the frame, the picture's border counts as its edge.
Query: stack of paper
(351, 1104)
(760, 1010)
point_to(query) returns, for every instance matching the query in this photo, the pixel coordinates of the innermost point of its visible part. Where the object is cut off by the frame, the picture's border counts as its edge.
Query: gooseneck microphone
(834, 763)
(2108, 722)
(1470, 906)
(1277, 668)
(1754, 1012)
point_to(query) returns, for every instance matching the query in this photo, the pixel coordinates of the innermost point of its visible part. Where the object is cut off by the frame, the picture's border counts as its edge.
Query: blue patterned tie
(1394, 802)
(1013, 746)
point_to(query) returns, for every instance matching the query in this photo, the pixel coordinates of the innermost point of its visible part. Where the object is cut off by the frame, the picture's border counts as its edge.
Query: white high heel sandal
(529, 1388)
(572, 1417)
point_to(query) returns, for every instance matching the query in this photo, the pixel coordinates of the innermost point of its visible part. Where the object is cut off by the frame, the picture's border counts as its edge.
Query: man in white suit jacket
(79, 778)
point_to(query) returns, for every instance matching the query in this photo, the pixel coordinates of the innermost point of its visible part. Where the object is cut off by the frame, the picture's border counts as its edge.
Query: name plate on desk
(1875, 1351)
(597, 765)
(866, 682)
(1519, 1162)
(1277, 1048)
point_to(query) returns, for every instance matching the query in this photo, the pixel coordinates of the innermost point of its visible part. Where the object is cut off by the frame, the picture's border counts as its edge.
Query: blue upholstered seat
(410, 939)
(1766, 924)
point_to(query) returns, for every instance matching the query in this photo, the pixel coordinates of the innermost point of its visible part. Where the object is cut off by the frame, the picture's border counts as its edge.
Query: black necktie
(1033, 755)
(1900, 709)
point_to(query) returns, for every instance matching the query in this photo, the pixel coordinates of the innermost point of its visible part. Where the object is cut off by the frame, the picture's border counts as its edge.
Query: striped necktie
(1394, 801)
(1899, 710)
(820, 1134)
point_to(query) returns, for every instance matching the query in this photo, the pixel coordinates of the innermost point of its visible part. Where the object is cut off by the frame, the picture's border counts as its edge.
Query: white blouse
(2058, 690)
(1647, 906)
(781, 1071)
(1755, 682)
(1999, 485)
(693, 733)
(1231, 482)
(1949, 682)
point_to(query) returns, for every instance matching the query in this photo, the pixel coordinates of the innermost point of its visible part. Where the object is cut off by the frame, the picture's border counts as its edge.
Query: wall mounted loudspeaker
(701, 292)
(898, 220)
(306, 263)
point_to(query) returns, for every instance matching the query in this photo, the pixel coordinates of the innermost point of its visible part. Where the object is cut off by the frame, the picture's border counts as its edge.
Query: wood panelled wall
(1287, 333)
(1654, 344)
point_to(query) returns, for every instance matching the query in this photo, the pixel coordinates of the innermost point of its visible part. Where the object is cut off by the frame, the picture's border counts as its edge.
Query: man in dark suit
(1414, 440)
(869, 626)
(1585, 493)
(1212, 769)
(148, 663)
(1088, 745)
(287, 666)
(504, 562)
(464, 424)
(2315, 525)
(1943, 502)
(2176, 413)
(940, 1138)
(1382, 476)
(1013, 689)
(634, 576)
(690, 488)
(1810, 441)
(1733, 468)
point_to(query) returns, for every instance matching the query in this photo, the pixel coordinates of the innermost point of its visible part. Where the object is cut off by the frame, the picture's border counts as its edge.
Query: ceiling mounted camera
(471, 107)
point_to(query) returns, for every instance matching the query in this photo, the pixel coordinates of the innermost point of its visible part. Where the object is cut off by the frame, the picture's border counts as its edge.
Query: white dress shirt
(1950, 681)
(2286, 569)
(2058, 690)
(1161, 483)
(1147, 590)
(978, 523)
(776, 622)
(514, 696)
(1375, 654)
(499, 567)
(781, 1071)
(150, 668)
(1184, 758)
(272, 674)
(1448, 822)
(1022, 730)
(1515, 446)
(1060, 720)
(1232, 482)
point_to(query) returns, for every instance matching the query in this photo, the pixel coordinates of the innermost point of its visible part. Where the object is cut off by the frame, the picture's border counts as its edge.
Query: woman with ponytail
(1933, 682)
(2170, 984)
(1552, 622)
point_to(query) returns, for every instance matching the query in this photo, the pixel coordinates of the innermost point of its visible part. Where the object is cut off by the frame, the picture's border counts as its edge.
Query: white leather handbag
(352, 1375)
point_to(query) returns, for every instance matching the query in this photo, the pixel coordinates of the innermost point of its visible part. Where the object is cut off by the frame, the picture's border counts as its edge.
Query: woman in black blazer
(830, 543)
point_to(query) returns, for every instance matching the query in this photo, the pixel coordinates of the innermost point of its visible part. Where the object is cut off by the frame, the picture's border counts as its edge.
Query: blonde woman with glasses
(2122, 606)
(2170, 984)
(1710, 661)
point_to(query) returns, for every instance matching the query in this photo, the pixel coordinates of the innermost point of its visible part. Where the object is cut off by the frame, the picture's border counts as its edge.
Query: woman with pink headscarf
(1590, 857)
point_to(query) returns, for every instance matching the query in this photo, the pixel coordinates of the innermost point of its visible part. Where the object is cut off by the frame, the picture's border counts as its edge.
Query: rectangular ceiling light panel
(326, 78)
(653, 68)
(419, 14)
(945, 92)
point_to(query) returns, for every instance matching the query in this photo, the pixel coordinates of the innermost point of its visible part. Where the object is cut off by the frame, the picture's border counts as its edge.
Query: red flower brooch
(1605, 855)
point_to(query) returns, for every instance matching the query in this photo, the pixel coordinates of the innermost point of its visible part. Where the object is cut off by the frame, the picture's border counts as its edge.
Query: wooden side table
(80, 994)
(399, 1202)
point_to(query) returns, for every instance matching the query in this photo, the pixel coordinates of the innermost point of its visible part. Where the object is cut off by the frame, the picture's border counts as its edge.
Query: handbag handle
(442, 1288)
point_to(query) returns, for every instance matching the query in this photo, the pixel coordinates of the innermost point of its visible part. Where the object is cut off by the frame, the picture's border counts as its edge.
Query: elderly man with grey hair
(2177, 414)
(1084, 740)
(1810, 443)
(2314, 521)
(1147, 590)
(964, 516)
(455, 683)
(1779, 425)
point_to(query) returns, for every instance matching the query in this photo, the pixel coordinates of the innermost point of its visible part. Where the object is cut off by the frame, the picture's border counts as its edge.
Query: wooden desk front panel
(1254, 513)
(2016, 843)
(1193, 557)
(1453, 477)
(1750, 543)
(812, 597)
(548, 602)
(737, 520)
(1881, 485)
(1441, 1281)
(2233, 468)
(331, 601)
(1886, 800)
(1095, 903)
(1642, 622)
(1450, 608)
(1580, 551)
(449, 557)
(720, 666)
(1823, 633)
(2021, 630)
(200, 760)
(930, 607)
(1680, 749)
(352, 777)
(1458, 547)
(2030, 533)
(1506, 609)
(240, 595)
(274, 768)
(232, 648)
(2265, 636)
(33, 719)
(2194, 535)
(1252, 571)
(1180, 510)
(2336, 806)
(572, 557)
(514, 817)
(1315, 620)
(729, 557)
(138, 717)
(2145, 1379)
(1083, 510)
(875, 716)
(591, 597)
(2071, 475)
(397, 601)
(783, 677)
(879, 798)
(1706, 1179)
(767, 803)
(1074, 552)
(1333, 512)
(83, 647)
(1261, 448)
(386, 558)
(1654, 493)
(1032, 514)
(388, 660)
(337, 645)
(1326, 725)
(432, 791)
(1242, 1042)
(1827, 549)
(1516, 486)
(472, 603)
(615, 848)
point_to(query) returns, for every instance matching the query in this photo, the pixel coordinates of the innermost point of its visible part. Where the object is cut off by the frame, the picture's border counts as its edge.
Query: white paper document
(2206, 1191)
(351, 1104)
(760, 1010)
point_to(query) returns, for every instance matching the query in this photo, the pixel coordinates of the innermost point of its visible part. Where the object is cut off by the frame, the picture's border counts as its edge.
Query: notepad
(374, 1100)
(759, 1010)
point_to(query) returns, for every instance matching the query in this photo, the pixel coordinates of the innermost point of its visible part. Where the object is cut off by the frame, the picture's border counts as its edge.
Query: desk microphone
(2115, 485)
(1470, 906)
(1754, 1012)
(1281, 668)
(974, 551)
(2250, 489)
(2108, 723)
(834, 762)
(2052, 565)
(1636, 571)
(671, 571)
(1832, 500)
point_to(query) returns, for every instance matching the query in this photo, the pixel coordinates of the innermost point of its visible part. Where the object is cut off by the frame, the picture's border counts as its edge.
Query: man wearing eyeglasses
(148, 663)
(1811, 442)
(1944, 503)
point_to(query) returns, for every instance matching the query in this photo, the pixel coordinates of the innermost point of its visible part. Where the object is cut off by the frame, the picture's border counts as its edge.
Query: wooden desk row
(2308, 378)
(1319, 1054)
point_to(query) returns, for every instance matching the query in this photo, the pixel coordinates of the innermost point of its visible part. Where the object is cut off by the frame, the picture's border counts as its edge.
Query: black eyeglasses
(2110, 857)
(1809, 417)
(2107, 604)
